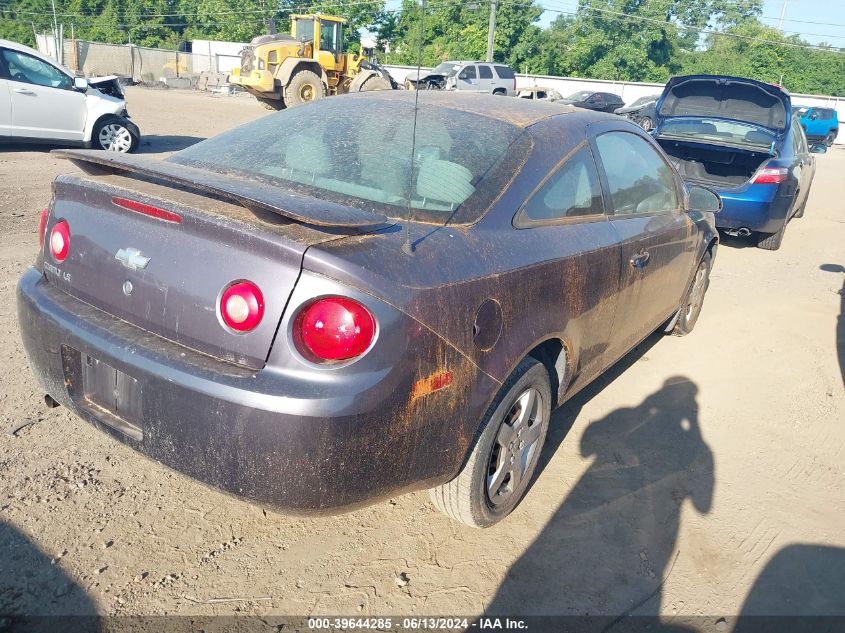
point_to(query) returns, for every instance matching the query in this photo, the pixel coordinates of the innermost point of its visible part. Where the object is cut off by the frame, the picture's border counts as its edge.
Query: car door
(468, 79)
(44, 103)
(644, 197)
(805, 164)
(582, 268)
(486, 81)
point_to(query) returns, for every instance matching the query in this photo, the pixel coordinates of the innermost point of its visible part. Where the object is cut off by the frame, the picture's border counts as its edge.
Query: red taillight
(60, 240)
(334, 329)
(42, 226)
(147, 209)
(242, 306)
(771, 175)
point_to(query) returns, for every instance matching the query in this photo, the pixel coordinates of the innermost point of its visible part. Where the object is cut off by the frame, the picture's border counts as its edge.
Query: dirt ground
(700, 477)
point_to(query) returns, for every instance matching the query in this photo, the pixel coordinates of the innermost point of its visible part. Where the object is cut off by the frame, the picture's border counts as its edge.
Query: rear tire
(772, 241)
(694, 299)
(272, 104)
(830, 138)
(304, 87)
(506, 451)
(500, 93)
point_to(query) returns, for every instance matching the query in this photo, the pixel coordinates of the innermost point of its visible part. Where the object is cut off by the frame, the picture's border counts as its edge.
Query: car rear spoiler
(251, 194)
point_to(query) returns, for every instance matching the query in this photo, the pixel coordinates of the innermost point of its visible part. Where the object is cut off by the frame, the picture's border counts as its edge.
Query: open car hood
(734, 98)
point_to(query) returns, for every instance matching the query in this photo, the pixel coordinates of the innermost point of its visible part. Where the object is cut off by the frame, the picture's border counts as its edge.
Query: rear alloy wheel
(771, 241)
(694, 299)
(507, 448)
(830, 138)
(646, 123)
(304, 87)
(112, 135)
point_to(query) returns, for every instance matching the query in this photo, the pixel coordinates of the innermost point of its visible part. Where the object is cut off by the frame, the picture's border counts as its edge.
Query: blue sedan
(739, 137)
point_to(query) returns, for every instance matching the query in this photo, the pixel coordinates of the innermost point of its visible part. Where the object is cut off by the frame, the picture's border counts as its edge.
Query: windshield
(444, 68)
(718, 130)
(357, 152)
(643, 100)
(580, 95)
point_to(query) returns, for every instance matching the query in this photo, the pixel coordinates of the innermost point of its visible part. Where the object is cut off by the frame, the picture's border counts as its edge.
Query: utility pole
(55, 33)
(491, 30)
(782, 15)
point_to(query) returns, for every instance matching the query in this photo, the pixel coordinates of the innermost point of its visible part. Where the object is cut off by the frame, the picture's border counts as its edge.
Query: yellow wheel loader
(310, 63)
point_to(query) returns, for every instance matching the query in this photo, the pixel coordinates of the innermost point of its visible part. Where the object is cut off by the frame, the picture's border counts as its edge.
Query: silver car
(482, 77)
(42, 102)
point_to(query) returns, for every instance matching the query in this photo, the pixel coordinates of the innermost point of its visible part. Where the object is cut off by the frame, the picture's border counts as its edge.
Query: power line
(447, 4)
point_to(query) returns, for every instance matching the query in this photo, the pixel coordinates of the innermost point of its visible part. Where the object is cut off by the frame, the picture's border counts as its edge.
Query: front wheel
(113, 135)
(694, 299)
(507, 448)
(304, 87)
(376, 83)
(646, 123)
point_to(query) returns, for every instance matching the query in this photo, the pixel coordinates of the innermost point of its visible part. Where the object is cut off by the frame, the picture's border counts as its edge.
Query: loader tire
(305, 86)
(376, 83)
(272, 104)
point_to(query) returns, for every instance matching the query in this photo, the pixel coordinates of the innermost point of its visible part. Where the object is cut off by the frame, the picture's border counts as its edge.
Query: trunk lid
(175, 272)
(732, 98)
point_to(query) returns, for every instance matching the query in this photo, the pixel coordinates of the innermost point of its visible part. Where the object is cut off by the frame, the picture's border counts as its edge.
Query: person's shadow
(36, 594)
(840, 322)
(609, 546)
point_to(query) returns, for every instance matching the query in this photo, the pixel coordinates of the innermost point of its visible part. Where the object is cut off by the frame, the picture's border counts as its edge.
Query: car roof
(518, 112)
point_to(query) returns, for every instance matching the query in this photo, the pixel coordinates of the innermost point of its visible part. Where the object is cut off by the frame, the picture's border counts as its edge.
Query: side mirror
(818, 148)
(80, 83)
(703, 199)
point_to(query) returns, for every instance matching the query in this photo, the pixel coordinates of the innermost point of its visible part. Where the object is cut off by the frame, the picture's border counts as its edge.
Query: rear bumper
(761, 208)
(296, 446)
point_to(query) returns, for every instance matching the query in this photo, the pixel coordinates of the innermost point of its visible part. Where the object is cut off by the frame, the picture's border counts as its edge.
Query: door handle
(640, 259)
(23, 91)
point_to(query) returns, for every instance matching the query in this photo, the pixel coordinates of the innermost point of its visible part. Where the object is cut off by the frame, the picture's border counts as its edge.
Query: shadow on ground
(609, 546)
(801, 590)
(35, 594)
(840, 322)
(156, 143)
(151, 144)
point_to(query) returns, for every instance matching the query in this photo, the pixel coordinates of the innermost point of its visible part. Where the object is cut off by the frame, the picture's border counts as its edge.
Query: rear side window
(572, 191)
(639, 180)
(485, 72)
(504, 72)
(825, 114)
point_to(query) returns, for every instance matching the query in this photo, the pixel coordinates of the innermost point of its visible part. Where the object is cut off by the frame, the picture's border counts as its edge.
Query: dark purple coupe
(337, 303)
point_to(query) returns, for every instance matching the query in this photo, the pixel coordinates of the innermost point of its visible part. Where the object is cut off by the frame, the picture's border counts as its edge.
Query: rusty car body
(497, 260)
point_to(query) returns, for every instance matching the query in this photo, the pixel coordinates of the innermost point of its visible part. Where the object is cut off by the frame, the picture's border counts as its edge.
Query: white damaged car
(42, 102)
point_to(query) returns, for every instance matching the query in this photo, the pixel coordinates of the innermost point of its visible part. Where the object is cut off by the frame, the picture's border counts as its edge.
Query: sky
(827, 16)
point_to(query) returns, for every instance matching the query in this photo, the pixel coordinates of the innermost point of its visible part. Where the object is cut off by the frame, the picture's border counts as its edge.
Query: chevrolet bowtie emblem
(132, 258)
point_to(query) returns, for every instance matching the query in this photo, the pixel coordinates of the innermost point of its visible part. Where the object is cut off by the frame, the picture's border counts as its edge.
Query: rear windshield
(357, 151)
(719, 131)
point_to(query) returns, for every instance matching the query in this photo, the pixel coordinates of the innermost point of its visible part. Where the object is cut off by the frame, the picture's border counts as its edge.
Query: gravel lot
(700, 477)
